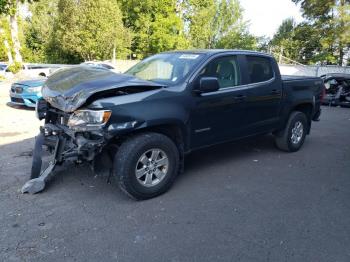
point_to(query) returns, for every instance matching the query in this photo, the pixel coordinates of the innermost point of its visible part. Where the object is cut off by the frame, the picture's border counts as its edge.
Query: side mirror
(207, 84)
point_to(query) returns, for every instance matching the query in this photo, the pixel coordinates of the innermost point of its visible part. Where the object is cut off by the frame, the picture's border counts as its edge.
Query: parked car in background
(3, 68)
(337, 89)
(27, 92)
(35, 70)
(29, 70)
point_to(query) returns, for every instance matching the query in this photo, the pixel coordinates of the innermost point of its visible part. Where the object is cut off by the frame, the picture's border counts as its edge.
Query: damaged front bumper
(73, 146)
(95, 144)
(63, 144)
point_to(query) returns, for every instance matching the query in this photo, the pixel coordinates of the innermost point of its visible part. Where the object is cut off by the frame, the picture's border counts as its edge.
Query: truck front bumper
(75, 146)
(63, 144)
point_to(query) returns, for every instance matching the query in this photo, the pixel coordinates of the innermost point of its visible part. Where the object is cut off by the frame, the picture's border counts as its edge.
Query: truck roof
(217, 51)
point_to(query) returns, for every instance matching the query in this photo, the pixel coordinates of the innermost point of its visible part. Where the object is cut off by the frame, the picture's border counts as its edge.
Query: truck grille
(60, 117)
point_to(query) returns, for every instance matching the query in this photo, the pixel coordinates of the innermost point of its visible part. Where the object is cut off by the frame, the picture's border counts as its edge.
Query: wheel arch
(307, 109)
(304, 107)
(174, 131)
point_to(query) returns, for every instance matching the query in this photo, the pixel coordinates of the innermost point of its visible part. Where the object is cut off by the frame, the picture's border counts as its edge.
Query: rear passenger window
(259, 69)
(225, 69)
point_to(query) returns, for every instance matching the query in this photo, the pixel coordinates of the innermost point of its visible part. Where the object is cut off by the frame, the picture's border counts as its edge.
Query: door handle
(240, 97)
(275, 92)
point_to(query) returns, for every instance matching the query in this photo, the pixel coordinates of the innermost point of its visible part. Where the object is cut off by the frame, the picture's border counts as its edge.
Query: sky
(265, 16)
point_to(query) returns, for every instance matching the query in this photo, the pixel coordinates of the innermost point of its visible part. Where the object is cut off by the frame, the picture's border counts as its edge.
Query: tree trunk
(14, 36)
(7, 47)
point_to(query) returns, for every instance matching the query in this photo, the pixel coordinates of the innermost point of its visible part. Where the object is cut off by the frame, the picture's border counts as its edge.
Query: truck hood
(69, 88)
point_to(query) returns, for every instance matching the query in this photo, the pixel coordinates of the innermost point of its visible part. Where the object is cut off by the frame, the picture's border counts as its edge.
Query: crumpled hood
(67, 89)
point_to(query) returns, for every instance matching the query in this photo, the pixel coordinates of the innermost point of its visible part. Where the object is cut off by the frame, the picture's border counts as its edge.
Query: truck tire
(292, 137)
(146, 165)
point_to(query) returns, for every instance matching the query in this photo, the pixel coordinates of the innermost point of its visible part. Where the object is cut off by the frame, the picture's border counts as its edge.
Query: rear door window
(259, 69)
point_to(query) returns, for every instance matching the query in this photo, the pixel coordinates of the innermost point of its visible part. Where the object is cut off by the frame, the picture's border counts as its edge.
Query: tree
(87, 30)
(10, 9)
(299, 42)
(216, 24)
(155, 24)
(332, 20)
(5, 48)
(38, 30)
(283, 41)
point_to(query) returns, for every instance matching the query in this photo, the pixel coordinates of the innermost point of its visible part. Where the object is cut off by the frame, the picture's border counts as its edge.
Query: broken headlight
(89, 118)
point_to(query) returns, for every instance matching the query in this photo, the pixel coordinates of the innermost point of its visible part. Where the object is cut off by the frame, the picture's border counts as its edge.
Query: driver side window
(225, 69)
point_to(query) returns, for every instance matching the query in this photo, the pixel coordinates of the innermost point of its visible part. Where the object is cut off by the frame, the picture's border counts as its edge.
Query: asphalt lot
(243, 201)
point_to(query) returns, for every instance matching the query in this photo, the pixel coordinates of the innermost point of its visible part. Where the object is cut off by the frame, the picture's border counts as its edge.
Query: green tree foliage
(331, 20)
(216, 24)
(70, 31)
(38, 30)
(4, 39)
(284, 40)
(87, 30)
(299, 42)
(155, 25)
(10, 8)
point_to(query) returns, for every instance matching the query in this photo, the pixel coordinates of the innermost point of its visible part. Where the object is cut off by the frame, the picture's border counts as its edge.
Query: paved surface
(243, 201)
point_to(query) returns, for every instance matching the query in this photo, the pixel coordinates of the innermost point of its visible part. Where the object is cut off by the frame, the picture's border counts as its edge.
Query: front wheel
(292, 137)
(146, 165)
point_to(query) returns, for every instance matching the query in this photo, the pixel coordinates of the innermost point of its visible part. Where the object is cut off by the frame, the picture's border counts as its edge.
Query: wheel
(146, 165)
(292, 137)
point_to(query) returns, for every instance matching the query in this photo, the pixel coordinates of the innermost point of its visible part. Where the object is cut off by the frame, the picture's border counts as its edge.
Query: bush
(15, 67)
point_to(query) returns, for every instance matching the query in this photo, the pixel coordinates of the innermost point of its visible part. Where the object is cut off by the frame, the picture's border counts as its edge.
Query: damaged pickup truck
(141, 124)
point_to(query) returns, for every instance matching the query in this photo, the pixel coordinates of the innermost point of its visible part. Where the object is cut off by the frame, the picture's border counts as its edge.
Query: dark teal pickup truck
(141, 124)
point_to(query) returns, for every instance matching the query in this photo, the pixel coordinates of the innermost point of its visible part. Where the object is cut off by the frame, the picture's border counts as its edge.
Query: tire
(133, 157)
(285, 140)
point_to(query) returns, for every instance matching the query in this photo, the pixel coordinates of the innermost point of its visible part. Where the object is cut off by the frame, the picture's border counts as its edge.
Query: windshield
(166, 69)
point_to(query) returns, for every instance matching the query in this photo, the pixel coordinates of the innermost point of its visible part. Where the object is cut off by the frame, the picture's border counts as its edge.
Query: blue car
(27, 92)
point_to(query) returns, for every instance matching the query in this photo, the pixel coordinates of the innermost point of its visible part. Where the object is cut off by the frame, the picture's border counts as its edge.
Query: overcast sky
(266, 15)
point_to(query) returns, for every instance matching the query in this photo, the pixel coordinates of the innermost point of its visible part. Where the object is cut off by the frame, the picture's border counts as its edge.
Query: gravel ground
(243, 201)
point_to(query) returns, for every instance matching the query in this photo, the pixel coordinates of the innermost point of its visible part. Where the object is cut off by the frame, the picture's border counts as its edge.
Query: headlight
(89, 118)
(36, 89)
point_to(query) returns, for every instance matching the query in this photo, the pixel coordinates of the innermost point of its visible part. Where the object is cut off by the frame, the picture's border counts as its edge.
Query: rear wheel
(146, 165)
(292, 137)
